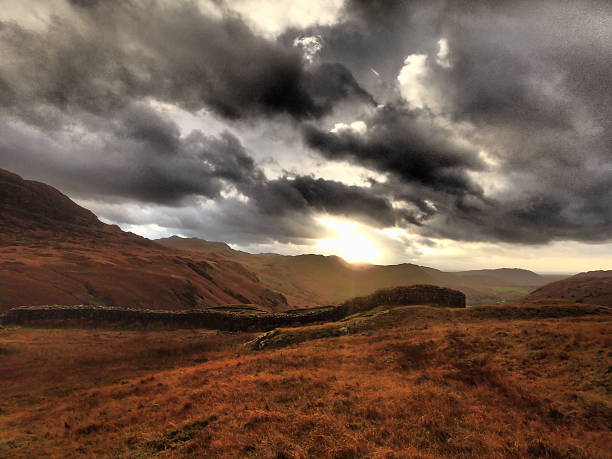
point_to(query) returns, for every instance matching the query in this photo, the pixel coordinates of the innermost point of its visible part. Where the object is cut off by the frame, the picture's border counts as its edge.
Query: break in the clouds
(445, 121)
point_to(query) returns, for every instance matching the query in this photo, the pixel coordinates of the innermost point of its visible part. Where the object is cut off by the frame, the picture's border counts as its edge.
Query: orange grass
(495, 389)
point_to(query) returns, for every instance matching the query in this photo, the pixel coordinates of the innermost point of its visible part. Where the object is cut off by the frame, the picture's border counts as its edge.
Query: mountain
(506, 276)
(310, 280)
(54, 251)
(593, 287)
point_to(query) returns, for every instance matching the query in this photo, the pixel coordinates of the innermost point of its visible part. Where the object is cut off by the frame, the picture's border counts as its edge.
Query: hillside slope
(54, 251)
(593, 287)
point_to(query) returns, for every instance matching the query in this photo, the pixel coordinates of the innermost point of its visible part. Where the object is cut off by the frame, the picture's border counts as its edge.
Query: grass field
(414, 382)
(515, 292)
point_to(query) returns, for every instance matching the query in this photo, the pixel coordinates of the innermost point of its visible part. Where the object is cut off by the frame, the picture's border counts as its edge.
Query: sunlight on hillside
(349, 242)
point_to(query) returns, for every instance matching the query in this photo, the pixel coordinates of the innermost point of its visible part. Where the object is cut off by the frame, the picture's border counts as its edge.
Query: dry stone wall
(95, 316)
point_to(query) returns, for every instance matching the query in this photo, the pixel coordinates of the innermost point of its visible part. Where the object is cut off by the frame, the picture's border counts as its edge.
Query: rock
(261, 341)
(273, 299)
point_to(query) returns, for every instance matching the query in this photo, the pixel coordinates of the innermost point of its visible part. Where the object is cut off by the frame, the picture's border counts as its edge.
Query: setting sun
(349, 242)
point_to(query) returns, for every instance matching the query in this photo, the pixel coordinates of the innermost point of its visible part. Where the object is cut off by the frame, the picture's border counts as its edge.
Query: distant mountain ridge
(511, 276)
(308, 280)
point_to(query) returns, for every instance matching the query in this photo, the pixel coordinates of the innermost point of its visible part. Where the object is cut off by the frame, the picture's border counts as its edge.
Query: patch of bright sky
(33, 14)
(415, 79)
(231, 192)
(344, 172)
(557, 257)
(348, 241)
(412, 82)
(272, 18)
(358, 127)
(443, 58)
(310, 46)
(202, 120)
(149, 230)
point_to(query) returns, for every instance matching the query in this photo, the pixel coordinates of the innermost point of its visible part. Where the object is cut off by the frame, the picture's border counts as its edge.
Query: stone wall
(95, 316)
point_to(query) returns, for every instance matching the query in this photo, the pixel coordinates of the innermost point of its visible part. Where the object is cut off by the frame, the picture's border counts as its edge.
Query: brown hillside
(593, 287)
(54, 251)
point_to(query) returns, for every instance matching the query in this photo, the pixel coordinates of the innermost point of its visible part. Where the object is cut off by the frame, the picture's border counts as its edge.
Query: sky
(458, 134)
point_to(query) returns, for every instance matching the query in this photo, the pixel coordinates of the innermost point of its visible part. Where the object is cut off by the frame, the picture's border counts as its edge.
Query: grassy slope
(414, 382)
(590, 287)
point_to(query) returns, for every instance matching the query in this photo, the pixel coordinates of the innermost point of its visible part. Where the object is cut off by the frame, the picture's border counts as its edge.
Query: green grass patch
(516, 291)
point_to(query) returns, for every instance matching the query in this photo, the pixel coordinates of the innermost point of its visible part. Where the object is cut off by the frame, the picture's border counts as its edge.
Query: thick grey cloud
(307, 194)
(511, 141)
(140, 157)
(406, 144)
(527, 82)
(111, 53)
(137, 156)
(375, 35)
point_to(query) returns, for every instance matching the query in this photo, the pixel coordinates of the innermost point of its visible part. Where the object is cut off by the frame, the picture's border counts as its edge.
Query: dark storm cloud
(525, 82)
(545, 114)
(137, 156)
(141, 124)
(375, 35)
(112, 53)
(308, 194)
(535, 220)
(403, 143)
(531, 82)
(140, 157)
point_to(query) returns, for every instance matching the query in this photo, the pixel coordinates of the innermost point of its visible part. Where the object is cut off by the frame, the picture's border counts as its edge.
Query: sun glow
(349, 242)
